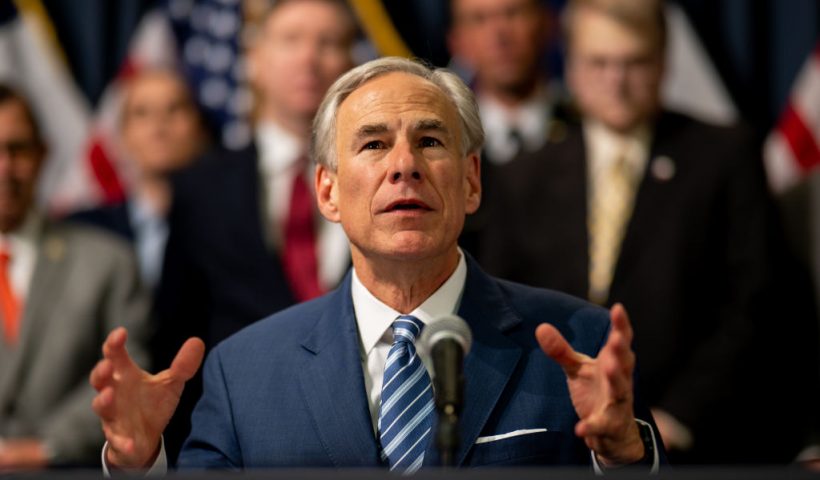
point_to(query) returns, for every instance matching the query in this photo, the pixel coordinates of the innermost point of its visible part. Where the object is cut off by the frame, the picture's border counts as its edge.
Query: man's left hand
(22, 454)
(601, 390)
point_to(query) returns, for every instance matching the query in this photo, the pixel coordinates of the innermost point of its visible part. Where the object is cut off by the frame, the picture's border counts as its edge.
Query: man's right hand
(135, 406)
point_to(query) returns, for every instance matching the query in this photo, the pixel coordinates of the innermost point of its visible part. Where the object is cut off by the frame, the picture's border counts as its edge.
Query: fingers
(557, 348)
(114, 349)
(188, 359)
(103, 404)
(620, 321)
(102, 374)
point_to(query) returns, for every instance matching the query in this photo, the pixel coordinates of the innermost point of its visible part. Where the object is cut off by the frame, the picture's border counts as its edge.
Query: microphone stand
(448, 356)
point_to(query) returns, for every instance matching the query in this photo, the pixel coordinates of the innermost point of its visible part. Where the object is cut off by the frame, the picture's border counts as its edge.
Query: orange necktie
(9, 303)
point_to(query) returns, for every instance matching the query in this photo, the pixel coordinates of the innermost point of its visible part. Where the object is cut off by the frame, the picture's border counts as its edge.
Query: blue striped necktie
(405, 414)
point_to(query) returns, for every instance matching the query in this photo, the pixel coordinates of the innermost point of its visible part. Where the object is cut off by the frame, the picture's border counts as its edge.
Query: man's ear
(327, 193)
(472, 183)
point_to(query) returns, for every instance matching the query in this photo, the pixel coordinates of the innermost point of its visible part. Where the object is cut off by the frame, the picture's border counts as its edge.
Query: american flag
(209, 33)
(792, 150)
(202, 39)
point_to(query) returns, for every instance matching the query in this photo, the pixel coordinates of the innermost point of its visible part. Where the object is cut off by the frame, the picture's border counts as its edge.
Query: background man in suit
(670, 217)
(503, 42)
(245, 237)
(397, 146)
(161, 132)
(62, 289)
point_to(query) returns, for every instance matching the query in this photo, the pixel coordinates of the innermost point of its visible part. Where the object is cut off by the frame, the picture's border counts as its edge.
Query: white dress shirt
(279, 154)
(604, 146)
(21, 245)
(530, 120)
(375, 322)
(150, 236)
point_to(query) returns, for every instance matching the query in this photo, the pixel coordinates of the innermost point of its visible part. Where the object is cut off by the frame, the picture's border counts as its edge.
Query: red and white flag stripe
(153, 46)
(792, 149)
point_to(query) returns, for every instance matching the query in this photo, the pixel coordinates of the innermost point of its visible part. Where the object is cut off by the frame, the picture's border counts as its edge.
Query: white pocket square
(516, 433)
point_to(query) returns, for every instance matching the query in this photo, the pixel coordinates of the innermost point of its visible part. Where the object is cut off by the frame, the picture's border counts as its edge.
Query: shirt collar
(374, 318)
(529, 118)
(279, 150)
(633, 145)
(141, 213)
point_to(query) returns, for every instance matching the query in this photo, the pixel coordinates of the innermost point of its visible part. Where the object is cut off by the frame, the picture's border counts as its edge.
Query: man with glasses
(669, 216)
(62, 288)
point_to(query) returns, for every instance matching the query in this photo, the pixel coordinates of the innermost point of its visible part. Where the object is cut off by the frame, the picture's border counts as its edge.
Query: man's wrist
(650, 457)
(631, 452)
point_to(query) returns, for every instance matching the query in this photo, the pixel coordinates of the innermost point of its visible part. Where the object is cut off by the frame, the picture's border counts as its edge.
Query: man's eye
(427, 142)
(373, 145)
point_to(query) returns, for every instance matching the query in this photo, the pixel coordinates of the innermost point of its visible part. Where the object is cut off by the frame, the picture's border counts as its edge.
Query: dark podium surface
(672, 473)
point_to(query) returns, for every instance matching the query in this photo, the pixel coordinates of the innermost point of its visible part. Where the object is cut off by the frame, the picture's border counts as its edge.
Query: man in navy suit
(397, 148)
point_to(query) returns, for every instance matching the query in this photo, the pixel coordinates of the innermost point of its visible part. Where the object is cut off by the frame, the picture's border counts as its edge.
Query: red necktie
(299, 257)
(9, 304)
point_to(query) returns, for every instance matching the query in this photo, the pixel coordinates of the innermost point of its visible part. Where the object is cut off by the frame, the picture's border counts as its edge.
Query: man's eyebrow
(370, 129)
(431, 124)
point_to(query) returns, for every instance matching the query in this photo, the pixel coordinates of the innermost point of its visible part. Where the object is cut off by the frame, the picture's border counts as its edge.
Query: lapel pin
(663, 168)
(55, 248)
(556, 131)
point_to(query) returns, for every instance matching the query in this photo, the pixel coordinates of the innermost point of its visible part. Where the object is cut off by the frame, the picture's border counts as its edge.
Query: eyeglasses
(599, 64)
(20, 148)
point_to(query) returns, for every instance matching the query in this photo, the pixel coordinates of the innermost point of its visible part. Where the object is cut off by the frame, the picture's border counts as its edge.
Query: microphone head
(445, 327)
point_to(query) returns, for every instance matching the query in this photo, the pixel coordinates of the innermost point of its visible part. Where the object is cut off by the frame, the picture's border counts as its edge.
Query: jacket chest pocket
(526, 447)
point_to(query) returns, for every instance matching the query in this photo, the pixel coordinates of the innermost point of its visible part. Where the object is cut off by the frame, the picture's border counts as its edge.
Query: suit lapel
(333, 385)
(46, 286)
(651, 203)
(571, 183)
(492, 358)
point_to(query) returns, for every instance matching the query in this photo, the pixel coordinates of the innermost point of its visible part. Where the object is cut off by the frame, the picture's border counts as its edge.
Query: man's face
(402, 186)
(20, 159)
(304, 47)
(161, 128)
(613, 72)
(501, 40)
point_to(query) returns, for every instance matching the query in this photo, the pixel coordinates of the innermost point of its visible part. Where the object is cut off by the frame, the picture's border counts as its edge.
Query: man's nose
(404, 166)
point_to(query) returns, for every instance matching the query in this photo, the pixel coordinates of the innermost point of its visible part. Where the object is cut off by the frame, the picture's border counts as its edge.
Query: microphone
(443, 344)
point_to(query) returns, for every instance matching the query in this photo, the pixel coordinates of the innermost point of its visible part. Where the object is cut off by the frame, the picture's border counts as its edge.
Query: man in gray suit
(62, 289)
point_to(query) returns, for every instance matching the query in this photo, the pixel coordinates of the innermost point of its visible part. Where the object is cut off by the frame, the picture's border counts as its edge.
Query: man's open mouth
(408, 204)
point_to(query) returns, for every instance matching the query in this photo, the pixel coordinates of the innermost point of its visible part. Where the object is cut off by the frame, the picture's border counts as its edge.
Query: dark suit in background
(702, 272)
(113, 218)
(220, 273)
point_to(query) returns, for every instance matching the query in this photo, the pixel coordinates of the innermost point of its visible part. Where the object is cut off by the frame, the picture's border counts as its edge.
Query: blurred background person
(63, 287)
(246, 238)
(503, 44)
(161, 132)
(671, 217)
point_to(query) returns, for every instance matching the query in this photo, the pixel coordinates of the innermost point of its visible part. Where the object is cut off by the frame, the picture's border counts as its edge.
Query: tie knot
(406, 328)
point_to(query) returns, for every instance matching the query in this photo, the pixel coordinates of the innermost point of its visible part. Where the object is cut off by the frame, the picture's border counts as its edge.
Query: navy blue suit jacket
(289, 391)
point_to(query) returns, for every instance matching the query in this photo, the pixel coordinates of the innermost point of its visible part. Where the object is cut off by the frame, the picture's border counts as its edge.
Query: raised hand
(601, 390)
(135, 406)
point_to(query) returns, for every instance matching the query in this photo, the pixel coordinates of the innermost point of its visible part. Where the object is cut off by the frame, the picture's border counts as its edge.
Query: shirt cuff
(157, 469)
(601, 470)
